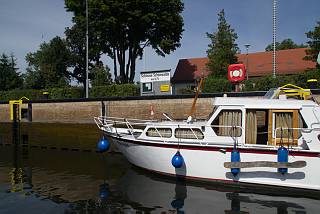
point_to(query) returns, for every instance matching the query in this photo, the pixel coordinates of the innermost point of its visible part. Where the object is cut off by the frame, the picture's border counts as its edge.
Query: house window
(227, 119)
(146, 87)
(188, 133)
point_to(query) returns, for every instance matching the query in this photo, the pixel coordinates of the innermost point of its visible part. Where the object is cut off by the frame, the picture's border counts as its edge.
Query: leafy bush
(267, 82)
(72, 92)
(63, 93)
(115, 90)
(213, 84)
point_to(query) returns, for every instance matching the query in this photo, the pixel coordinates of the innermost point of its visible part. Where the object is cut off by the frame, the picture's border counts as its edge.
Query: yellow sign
(164, 88)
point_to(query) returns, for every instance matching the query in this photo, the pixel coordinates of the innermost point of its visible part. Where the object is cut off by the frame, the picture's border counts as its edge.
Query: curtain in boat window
(189, 133)
(229, 118)
(159, 132)
(251, 127)
(284, 120)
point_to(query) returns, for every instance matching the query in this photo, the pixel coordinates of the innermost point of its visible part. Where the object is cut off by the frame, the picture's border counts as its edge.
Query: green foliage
(9, 77)
(48, 67)
(100, 75)
(65, 93)
(185, 91)
(214, 84)
(222, 50)
(267, 82)
(314, 44)
(285, 45)
(113, 90)
(18, 93)
(124, 28)
(76, 41)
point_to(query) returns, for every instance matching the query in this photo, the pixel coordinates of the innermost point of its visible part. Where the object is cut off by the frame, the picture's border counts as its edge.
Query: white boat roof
(262, 103)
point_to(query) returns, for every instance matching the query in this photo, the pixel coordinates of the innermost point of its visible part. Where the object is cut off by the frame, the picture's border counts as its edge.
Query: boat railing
(187, 131)
(289, 135)
(316, 115)
(117, 122)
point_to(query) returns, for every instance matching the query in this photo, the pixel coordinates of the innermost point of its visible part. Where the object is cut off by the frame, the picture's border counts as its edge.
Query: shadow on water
(37, 180)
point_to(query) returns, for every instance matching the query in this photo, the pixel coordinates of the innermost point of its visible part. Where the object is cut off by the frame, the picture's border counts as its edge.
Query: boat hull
(207, 163)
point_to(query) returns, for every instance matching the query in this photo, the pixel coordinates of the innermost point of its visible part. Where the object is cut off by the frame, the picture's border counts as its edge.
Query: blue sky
(25, 24)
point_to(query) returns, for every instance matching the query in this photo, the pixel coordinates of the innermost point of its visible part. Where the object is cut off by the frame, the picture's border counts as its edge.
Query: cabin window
(283, 120)
(188, 133)
(223, 123)
(290, 121)
(159, 132)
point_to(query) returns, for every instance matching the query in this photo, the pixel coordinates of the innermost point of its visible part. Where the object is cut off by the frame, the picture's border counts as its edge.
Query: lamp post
(247, 63)
(87, 52)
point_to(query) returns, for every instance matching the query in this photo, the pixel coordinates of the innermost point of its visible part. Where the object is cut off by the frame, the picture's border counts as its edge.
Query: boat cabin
(265, 122)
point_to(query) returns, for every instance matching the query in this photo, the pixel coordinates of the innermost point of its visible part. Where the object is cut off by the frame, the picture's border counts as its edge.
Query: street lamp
(87, 52)
(247, 63)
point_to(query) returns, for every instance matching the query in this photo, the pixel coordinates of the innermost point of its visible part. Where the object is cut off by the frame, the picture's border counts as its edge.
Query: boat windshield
(213, 111)
(271, 93)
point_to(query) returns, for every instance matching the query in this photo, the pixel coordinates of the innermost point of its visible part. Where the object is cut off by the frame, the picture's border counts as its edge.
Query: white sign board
(155, 76)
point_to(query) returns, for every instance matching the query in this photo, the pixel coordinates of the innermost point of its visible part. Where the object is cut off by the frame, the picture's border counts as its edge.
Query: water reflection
(35, 180)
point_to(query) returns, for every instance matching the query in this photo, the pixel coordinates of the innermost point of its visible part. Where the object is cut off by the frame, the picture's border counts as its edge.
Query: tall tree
(285, 45)
(125, 28)
(48, 67)
(9, 75)
(223, 49)
(314, 44)
(100, 75)
(76, 41)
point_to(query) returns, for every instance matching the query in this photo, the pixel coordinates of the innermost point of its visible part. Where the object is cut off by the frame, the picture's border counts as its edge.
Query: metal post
(247, 63)
(87, 52)
(274, 38)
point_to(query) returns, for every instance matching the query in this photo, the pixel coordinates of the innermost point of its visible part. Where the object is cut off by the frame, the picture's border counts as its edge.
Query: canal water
(54, 168)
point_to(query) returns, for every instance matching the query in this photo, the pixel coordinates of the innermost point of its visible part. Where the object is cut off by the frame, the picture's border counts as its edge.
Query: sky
(25, 24)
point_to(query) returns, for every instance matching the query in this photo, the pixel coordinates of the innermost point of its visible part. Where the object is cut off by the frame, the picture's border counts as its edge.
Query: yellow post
(15, 102)
(19, 103)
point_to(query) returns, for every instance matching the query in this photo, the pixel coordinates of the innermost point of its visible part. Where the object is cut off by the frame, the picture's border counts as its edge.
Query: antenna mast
(274, 17)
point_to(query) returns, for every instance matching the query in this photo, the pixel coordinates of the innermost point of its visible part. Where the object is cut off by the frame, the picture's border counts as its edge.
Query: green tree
(9, 75)
(48, 67)
(285, 45)
(76, 41)
(223, 49)
(100, 75)
(314, 44)
(125, 28)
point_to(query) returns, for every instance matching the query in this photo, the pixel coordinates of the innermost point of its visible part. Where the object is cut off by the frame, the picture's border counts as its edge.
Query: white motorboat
(244, 140)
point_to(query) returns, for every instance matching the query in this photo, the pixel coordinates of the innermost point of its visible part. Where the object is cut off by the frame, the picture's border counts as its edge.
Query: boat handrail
(303, 130)
(315, 115)
(124, 119)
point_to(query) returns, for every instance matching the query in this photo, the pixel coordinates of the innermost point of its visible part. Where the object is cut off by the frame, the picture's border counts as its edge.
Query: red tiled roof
(260, 64)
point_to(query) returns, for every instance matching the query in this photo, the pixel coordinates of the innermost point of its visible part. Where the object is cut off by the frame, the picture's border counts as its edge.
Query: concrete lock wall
(85, 111)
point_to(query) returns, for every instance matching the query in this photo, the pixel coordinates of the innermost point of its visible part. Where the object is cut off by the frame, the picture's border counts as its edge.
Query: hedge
(72, 92)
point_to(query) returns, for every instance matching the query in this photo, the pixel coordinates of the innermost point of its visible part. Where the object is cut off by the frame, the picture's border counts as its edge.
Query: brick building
(259, 64)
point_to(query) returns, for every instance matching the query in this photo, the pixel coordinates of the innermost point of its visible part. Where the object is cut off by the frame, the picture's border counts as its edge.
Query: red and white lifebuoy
(236, 73)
